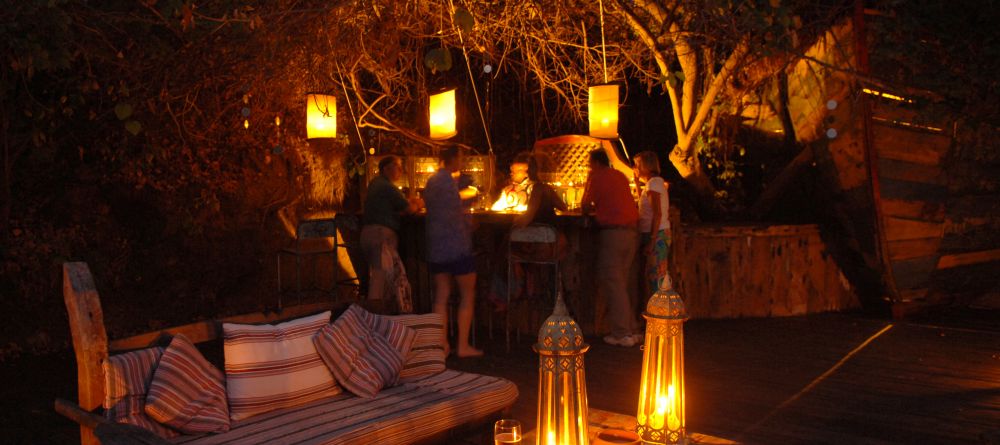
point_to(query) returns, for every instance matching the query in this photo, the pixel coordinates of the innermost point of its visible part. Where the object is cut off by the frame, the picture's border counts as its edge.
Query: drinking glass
(507, 431)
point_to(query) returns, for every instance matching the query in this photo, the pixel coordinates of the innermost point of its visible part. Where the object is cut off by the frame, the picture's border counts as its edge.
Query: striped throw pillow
(397, 334)
(188, 393)
(426, 356)
(274, 366)
(361, 359)
(126, 382)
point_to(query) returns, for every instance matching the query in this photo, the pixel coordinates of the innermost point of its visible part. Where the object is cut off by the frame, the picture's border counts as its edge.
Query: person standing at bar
(607, 195)
(380, 226)
(654, 222)
(449, 246)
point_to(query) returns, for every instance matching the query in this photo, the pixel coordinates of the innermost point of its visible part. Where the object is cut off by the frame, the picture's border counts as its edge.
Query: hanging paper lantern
(602, 108)
(321, 116)
(442, 115)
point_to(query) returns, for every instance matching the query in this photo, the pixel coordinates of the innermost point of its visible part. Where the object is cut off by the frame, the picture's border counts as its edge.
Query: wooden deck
(797, 380)
(805, 380)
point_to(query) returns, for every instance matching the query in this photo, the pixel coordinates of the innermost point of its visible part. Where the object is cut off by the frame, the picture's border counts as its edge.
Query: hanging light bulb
(321, 116)
(602, 109)
(442, 115)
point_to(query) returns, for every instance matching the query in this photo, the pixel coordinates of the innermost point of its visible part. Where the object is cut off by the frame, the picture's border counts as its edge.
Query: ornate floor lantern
(442, 115)
(321, 116)
(660, 419)
(562, 387)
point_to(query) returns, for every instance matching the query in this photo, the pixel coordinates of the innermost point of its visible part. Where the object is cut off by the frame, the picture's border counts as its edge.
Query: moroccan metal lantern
(442, 115)
(562, 387)
(602, 110)
(321, 116)
(660, 419)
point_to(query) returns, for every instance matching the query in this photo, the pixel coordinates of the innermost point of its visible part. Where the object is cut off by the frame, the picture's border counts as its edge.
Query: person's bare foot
(468, 352)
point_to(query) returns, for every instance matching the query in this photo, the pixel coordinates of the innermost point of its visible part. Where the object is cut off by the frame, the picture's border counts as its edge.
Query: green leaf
(679, 75)
(673, 80)
(464, 20)
(133, 127)
(438, 59)
(123, 110)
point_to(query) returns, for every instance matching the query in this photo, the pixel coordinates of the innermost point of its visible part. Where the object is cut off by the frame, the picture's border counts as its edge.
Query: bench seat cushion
(403, 414)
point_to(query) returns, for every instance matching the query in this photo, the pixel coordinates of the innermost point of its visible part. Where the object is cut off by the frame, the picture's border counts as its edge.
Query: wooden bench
(92, 348)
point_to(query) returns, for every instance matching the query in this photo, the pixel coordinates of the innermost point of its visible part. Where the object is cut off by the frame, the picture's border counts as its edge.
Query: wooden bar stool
(534, 244)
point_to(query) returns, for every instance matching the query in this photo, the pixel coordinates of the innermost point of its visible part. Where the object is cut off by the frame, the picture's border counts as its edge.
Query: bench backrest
(90, 339)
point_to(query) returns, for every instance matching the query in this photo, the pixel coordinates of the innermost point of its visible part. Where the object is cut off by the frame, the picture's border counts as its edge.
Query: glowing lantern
(562, 387)
(321, 116)
(660, 419)
(602, 109)
(442, 115)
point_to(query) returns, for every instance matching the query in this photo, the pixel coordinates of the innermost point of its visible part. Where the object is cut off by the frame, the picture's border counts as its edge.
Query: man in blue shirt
(449, 246)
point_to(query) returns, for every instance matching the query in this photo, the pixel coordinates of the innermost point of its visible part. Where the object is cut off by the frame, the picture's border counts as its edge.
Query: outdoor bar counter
(490, 234)
(771, 270)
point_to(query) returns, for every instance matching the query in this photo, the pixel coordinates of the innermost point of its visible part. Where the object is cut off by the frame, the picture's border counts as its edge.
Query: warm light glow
(562, 388)
(602, 109)
(321, 116)
(887, 95)
(908, 124)
(660, 418)
(442, 115)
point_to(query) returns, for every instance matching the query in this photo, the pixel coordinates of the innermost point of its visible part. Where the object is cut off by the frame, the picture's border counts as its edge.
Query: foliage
(139, 134)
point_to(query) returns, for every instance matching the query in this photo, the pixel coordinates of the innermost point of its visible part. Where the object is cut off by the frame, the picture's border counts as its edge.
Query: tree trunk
(689, 166)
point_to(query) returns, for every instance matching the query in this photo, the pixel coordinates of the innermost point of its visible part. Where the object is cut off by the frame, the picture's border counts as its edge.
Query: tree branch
(713, 90)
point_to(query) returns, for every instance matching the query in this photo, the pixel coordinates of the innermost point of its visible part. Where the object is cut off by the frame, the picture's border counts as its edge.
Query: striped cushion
(404, 414)
(274, 366)
(188, 393)
(126, 382)
(397, 334)
(426, 357)
(363, 361)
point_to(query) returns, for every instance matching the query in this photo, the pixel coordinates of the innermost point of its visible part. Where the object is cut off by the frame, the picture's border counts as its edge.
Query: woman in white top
(654, 222)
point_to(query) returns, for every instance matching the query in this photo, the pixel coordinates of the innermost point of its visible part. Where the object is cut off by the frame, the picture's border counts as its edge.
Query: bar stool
(538, 235)
(316, 237)
(311, 237)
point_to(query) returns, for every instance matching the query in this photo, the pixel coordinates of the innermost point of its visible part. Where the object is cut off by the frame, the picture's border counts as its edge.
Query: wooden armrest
(110, 433)
(79, 415)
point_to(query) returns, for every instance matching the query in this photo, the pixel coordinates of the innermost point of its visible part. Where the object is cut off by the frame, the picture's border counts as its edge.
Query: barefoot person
(449, 246)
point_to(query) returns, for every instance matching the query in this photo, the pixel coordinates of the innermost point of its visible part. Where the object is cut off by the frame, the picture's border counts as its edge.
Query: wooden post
(90, 340)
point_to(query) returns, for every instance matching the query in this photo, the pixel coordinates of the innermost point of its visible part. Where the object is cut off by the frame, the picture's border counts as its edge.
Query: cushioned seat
(403, 414)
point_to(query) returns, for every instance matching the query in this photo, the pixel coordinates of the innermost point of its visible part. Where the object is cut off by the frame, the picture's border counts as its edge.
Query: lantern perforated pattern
(562, 389)
(661, 417)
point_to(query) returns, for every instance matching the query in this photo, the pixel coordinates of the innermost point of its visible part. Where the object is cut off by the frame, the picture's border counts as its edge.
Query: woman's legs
(442, 290)
(466, 310)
